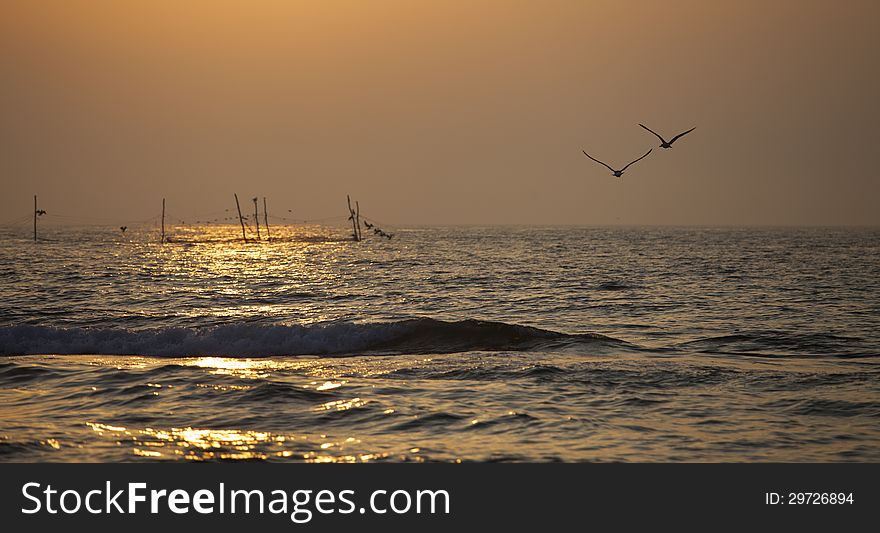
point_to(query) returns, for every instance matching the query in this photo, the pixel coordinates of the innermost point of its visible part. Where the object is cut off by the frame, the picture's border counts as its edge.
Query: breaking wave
(414, 336)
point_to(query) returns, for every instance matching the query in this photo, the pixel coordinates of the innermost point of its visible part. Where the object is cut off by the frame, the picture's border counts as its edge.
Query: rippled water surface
(443, 343)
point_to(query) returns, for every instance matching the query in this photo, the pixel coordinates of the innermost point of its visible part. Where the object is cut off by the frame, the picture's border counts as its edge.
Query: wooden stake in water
(266, 219)
(257, 217)
(35, 218)
(357, 216)
(354, 228)
(240, 218)
(163, 220)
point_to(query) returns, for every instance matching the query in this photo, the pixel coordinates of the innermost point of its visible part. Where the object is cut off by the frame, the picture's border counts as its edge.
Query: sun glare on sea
(202, 444)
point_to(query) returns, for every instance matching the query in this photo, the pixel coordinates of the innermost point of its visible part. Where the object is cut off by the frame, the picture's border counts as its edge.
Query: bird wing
(644, 156)
(682, 134)
(596, 160)
(654, 132)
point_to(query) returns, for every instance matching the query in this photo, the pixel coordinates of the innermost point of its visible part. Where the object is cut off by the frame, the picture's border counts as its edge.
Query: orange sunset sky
(446, 111)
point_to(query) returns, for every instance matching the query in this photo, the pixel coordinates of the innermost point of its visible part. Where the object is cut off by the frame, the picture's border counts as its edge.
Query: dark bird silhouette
(41, 212)
(368, 225)
(123, 228)
(617, 173)
(663, 143)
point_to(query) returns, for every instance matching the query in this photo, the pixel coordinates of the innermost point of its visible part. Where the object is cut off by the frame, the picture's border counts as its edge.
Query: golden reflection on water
(214, 254)
(342, 405)
(262, 368)
(200, 444)
(243, 368)
(328, 385)
(362, 458)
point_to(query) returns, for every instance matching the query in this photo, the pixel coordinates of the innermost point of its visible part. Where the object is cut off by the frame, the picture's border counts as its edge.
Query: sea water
(440, 344)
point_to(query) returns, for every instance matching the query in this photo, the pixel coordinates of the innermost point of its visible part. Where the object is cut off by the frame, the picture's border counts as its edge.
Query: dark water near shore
(456, 343)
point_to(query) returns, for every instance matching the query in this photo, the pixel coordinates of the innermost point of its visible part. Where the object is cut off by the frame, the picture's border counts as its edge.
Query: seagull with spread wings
(617, 173)
(663, 143)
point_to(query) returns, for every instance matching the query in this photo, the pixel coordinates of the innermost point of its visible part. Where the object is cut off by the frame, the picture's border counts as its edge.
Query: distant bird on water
(663, 142)
(617, 173)
(123, 228)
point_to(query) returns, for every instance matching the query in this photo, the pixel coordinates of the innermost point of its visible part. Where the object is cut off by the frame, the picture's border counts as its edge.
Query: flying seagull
(663, 143)
(617, 173)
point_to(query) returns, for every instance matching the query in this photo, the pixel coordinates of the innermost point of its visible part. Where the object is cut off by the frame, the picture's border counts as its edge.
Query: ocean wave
(414, 336)
(779, 343)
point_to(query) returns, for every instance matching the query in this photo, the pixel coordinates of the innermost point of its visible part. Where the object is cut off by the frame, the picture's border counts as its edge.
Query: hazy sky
(444, 112)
